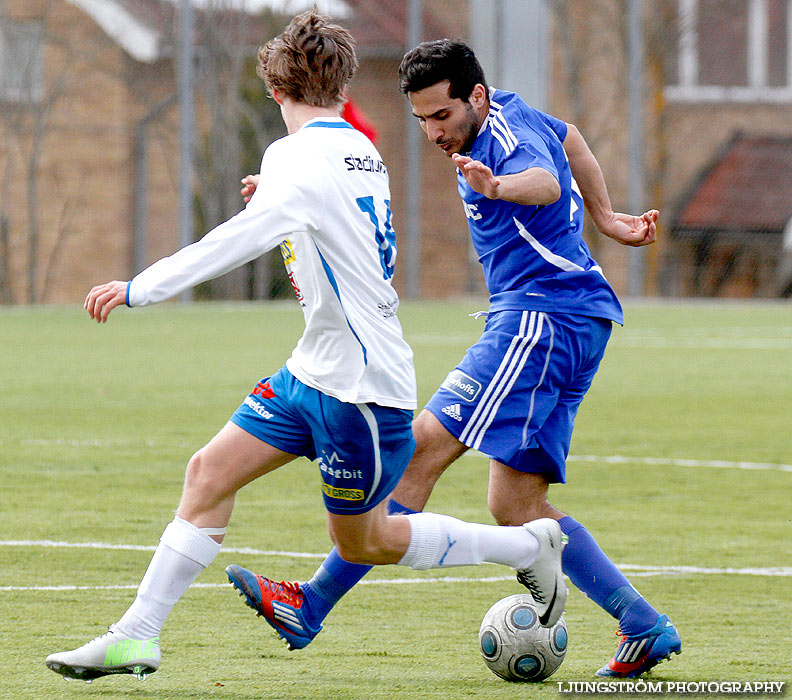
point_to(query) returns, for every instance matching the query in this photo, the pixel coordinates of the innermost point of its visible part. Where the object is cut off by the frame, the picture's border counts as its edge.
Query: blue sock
(334, 578)
(396, 508)
(597, 576)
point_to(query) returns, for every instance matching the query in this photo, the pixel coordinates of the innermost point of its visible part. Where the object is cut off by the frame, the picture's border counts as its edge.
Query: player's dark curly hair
(311, 61)
(444, 59)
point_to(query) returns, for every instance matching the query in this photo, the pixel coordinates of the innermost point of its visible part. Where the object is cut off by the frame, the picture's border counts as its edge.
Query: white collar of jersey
(327, 122)
(484, 124)
(486, 121)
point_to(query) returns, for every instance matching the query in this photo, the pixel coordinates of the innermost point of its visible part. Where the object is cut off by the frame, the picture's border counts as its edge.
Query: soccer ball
(515, 646)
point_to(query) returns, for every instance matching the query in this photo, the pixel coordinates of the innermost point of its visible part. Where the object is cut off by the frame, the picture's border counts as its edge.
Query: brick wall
(93, 96)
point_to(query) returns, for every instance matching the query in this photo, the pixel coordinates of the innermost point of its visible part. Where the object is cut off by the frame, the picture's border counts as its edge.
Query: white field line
(710, 332)
(633, 339)
(643, 572)
(608, 459)
(52, 544)
(669, 461)
(673, 462)
(658, 571)
(704, 343)
(635, 570)
(442, 339)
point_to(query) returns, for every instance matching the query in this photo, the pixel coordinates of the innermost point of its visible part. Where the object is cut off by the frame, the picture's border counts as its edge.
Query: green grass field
(681, 458)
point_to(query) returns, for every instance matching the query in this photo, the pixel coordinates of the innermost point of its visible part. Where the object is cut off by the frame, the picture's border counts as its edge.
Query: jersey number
(386, 240)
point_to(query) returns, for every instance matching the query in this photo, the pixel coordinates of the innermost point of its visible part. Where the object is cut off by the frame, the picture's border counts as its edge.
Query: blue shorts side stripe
(372, 424)
(541, 379)
(515, 394)
(508, 372)
(484, 402)
(514, 372)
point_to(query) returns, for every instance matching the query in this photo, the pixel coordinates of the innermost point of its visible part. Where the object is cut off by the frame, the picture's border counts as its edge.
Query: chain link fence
(695, 108)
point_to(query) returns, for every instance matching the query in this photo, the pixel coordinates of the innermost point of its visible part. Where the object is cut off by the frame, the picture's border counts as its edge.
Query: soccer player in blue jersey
(525, 178)
(344, 397)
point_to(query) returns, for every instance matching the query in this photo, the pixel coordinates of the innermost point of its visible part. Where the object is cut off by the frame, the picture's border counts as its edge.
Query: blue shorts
(516, 392)
(362, 449)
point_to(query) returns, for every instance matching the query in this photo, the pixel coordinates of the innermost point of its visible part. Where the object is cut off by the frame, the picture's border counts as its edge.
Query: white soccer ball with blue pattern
(515, 646)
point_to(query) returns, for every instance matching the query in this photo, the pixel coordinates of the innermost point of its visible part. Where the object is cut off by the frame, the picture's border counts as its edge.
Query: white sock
(439, 541)
(184, 552)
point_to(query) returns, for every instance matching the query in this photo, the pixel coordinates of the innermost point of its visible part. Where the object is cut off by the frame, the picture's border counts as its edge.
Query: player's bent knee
(435, 449)
(202, 479)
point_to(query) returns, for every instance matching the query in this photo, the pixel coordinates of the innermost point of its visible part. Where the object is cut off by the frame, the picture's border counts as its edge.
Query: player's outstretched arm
(103, 298)
(531, 187)
(624, 228)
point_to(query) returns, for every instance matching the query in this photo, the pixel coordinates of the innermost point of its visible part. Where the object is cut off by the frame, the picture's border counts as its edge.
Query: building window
(732, 51)
(21, 62)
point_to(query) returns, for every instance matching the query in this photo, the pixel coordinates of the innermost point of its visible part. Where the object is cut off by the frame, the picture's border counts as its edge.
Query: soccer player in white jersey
(345, 396)
(524, 178)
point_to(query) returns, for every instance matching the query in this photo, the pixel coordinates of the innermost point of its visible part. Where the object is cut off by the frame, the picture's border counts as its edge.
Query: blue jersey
(534, 257)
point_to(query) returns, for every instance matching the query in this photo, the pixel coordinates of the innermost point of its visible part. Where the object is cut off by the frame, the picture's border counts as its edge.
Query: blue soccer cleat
(280, 604)
(639, 653)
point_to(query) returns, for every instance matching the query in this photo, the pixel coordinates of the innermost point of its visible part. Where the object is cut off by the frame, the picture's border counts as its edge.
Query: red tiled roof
(748, 188)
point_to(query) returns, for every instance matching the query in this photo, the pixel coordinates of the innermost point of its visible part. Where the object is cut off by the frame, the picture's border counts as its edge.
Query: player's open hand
(249, 185)
(102, 299)
(478, 175)
(631, 230)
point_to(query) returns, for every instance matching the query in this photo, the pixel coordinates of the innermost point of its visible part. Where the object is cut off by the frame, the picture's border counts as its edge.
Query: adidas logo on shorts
(453, 411)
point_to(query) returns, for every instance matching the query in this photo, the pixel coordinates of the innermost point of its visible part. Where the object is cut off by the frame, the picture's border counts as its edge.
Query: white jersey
(322, 196)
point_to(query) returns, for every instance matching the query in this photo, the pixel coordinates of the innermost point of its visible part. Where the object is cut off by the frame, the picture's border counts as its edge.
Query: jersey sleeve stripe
(501, 132)
(511, 138)
(500, 139)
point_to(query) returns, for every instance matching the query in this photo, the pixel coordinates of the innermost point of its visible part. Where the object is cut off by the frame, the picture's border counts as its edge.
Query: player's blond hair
(311, 61)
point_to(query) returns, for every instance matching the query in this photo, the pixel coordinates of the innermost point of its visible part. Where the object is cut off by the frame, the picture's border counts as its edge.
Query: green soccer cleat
(112, 653)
